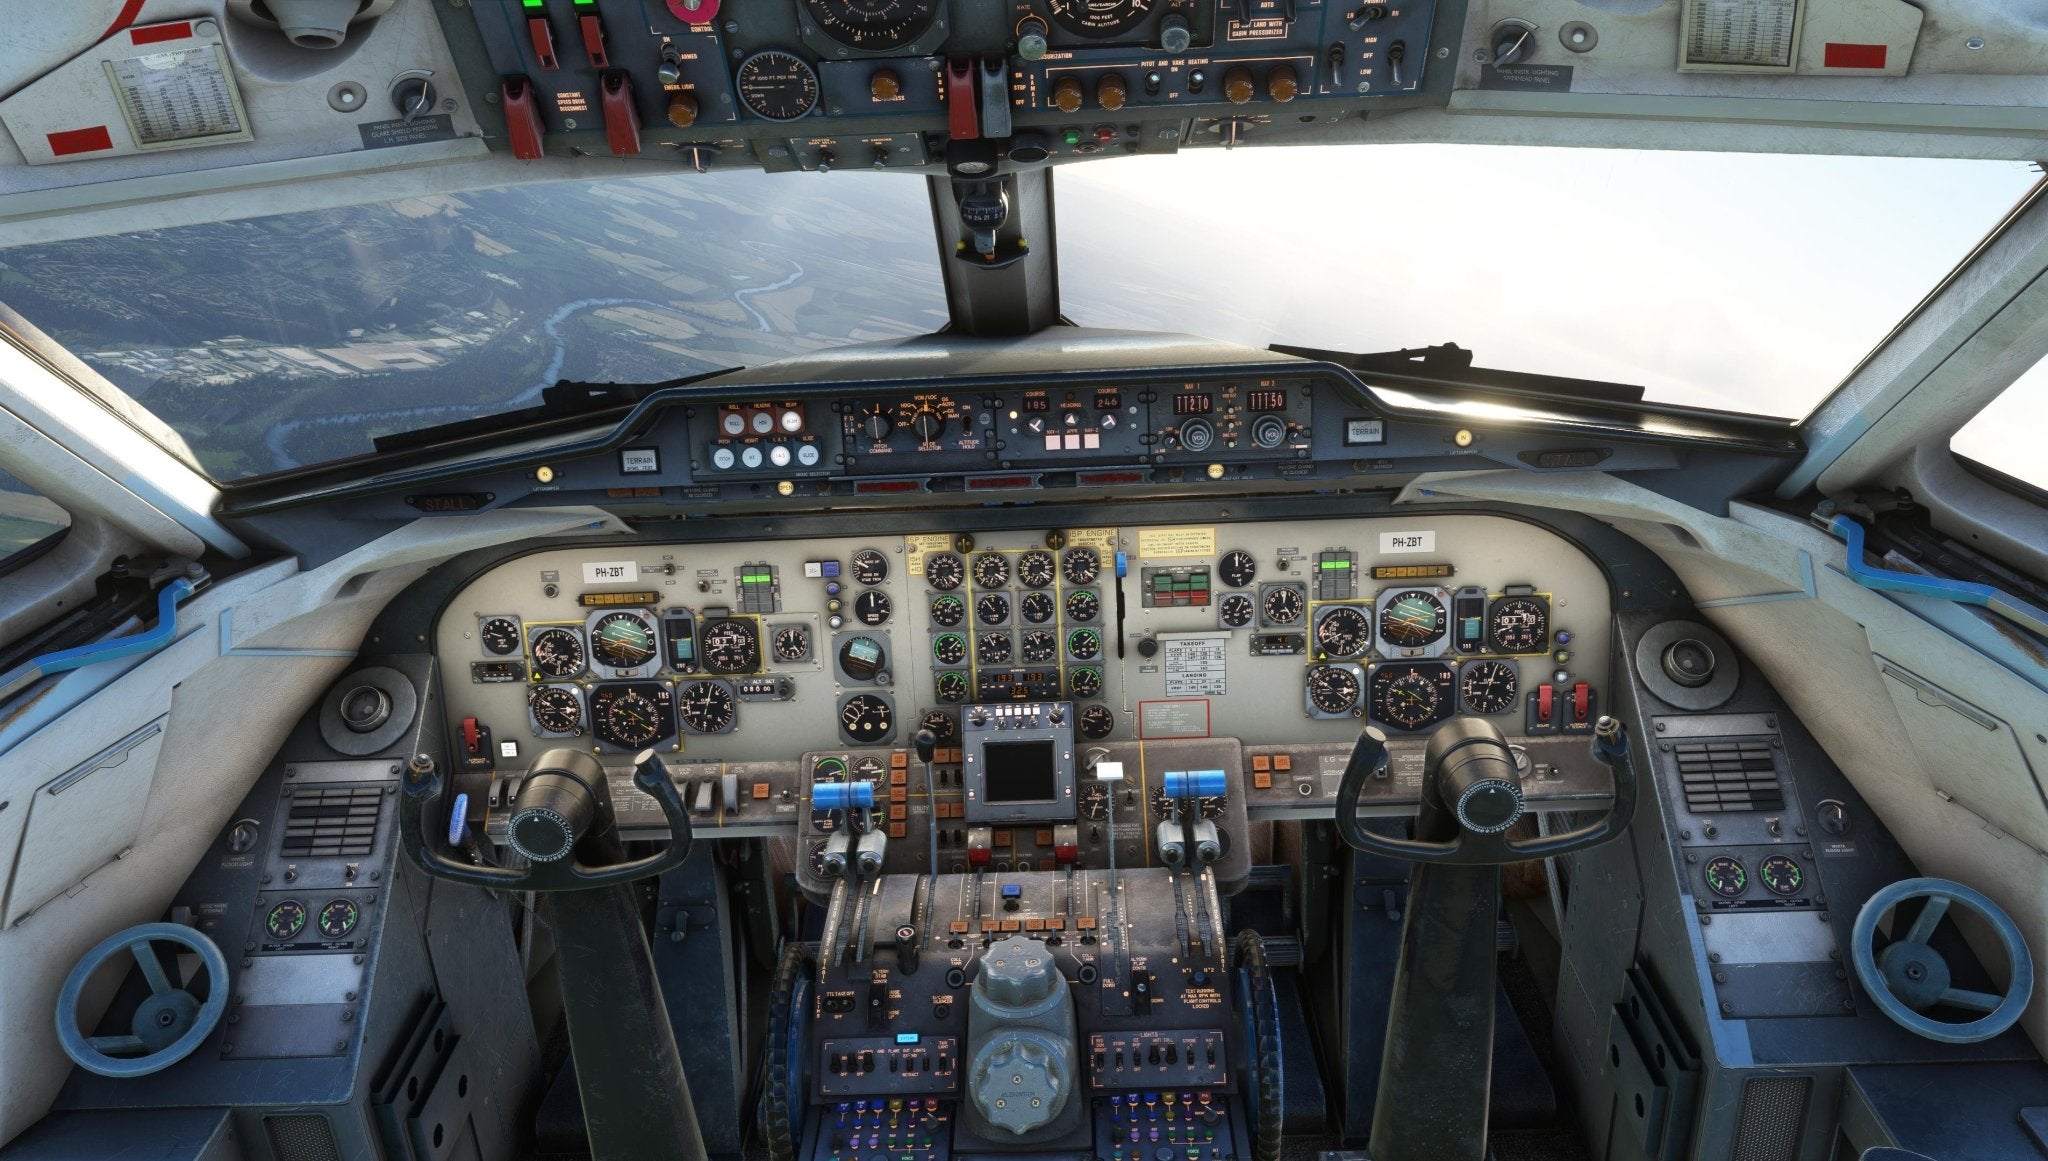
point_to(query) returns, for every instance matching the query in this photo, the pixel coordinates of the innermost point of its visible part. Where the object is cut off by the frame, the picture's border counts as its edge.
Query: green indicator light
(1071, 137)
(534, 3)
(1336, 564)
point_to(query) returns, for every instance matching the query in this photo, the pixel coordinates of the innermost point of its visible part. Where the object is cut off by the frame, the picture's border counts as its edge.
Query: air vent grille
(333, 820)
(1725, 777)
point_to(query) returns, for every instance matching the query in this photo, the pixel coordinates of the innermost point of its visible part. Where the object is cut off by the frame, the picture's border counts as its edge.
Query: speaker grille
(1727, 777)
(1773, 1113)
(305, 1137)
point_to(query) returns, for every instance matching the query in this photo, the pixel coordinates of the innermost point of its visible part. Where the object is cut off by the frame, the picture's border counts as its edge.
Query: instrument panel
(742, 662)
(824, 84)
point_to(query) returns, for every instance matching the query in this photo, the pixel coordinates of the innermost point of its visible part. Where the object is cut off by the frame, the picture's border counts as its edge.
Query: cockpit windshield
(1742, 282)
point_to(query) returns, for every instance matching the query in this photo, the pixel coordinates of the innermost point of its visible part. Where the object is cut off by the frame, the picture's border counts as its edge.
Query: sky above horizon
(1748, 282)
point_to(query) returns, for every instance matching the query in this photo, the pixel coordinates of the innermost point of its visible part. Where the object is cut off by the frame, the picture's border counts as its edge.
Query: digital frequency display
(1263, 401)
(1192, 404)
(1017, 772)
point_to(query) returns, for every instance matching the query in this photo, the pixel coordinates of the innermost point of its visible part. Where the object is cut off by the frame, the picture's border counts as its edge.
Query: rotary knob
(1019, 1086)
(1237, 86)
(1066, 94)
(1282, 83)
(1017, 973)
(682, 110)
(1110, 92)
(1031, 43)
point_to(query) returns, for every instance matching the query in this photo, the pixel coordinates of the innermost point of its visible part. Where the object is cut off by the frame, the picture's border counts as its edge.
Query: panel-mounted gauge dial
(730, 645)
(1488, 687)
(991, 570)
(862, 658)
(557, 710)
(792, 643)
(952, 687)
(872, 608)
(942, 725)
(1412, 619)
(1037, 608)
(1412, 697)
(631, 715)
(1084, 644)
(1084, 681)
(873, 25)
(1281, 604)
(1518, 625)
(557, 652)
(1099, 18)
(1036, 569)
(338, 917)
(1333, 690)
(1725, 876)
(991, 648)
(1097, 721)
(706, 707)
(1235, 610)
(949, 649)
(1038, 647)
(948, 611)
(866, 718)
(500, 635)
(992, 609)
(1342, 631)
(1083, 605)
(944, 571)
(870, 567)
(1081, 565)
(777, 85)
(1781, 875)
(623, 640)
(1237, 568)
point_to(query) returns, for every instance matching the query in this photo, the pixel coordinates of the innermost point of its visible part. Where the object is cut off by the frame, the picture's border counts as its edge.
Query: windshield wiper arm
(1451, 363)
(567, 398)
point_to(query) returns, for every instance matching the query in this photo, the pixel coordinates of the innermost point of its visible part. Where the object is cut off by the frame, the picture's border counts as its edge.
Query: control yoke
(1470, 771)
(564, 803)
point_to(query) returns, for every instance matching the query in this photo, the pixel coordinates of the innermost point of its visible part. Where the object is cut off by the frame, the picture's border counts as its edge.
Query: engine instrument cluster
(1266, 645)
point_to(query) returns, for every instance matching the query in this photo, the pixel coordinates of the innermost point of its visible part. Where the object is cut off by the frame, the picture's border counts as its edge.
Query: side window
(26, 519)
(2006, 435)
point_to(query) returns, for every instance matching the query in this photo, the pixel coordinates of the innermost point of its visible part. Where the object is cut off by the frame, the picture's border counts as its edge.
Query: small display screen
(1192, 404)
(1015, 772)
(1037, 403)
(1257, 401)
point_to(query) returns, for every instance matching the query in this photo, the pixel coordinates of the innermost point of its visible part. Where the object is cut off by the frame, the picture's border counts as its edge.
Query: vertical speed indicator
(777, 85)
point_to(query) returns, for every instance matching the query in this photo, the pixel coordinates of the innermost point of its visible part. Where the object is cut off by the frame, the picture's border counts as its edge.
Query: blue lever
(1962, 592)
(1013, 891)
(1194, 783)
(149, 640)
(458, 819)
(841, 795)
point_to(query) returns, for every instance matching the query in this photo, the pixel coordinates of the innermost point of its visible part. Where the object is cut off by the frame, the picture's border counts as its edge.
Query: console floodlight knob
(1174, 35)
(1031, 44)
